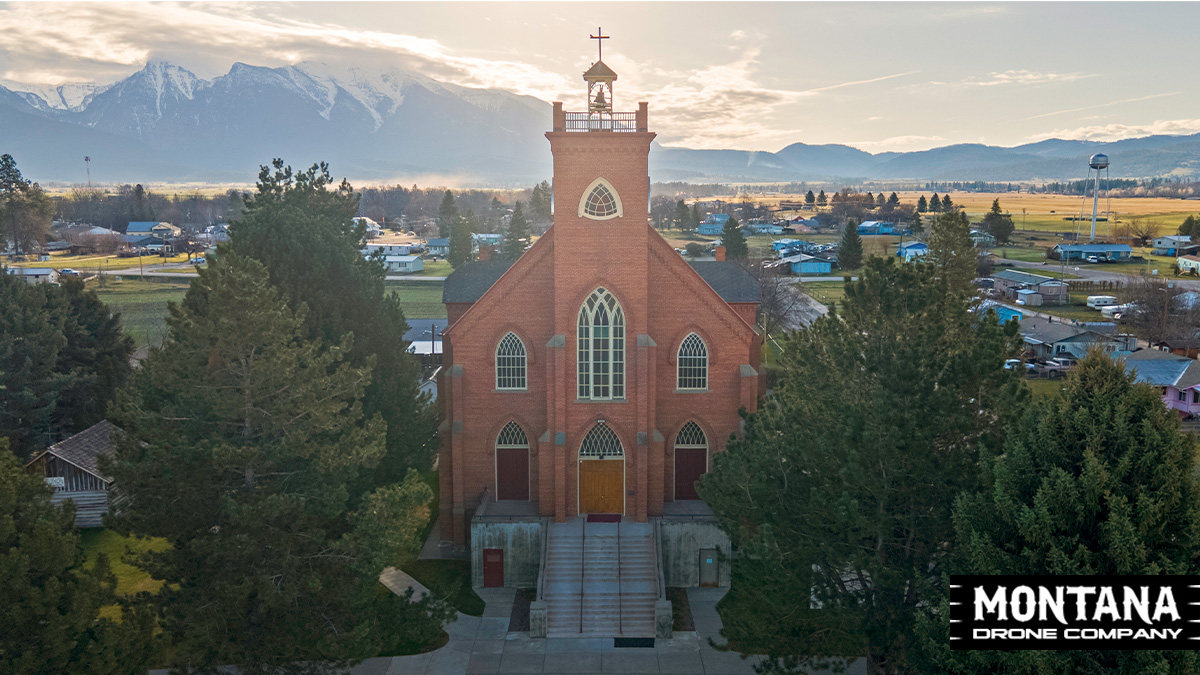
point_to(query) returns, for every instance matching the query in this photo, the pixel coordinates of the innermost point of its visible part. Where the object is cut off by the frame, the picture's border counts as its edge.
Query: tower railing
(600, 121)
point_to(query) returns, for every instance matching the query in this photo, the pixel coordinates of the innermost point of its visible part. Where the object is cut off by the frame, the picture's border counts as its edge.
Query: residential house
(1027, 297)
(802, 263)
(387, 249)
(875, 227)
(912, 249)
(438, 247)
(373, 228)
(1118, 252)
(72, 468)
(1188, 264)
(1046, 339)
(153, 228)
(1177, 376)
(1008, 282)
(1185, 347)
(713, 224)
(35, 275)
(764, 228)
(403, 264)
(136, 241)
(1170, 244)
(983, 239)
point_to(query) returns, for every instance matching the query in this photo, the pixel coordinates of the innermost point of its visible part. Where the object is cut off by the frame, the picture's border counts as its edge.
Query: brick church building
(600, 372)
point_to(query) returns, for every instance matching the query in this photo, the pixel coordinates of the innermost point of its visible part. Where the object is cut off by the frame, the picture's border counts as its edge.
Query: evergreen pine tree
(916, 224)
(695, 218)
(322, 266)
(50, 600)
(447, 215)
(948, 205)
(97, 351)
(734, 241)
(997, 223)
(952, 250)
(822, 200)
(682, 215)
(880, 200)
(1190, 228)
(850, 249)
(247, 445)
(922, 205)
(875, 426)
(1097, 480)
(810, 198)
(893, 200)
(516, 237)
(461, 244)
(935, 204)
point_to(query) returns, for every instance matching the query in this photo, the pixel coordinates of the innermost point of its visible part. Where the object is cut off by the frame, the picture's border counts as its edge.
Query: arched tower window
(692, 364)
(601, 347)
(512, 463)
(510, 363)
(600, 201)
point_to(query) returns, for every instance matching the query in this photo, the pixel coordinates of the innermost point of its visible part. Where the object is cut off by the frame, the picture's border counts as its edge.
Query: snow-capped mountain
(164, 123)
(374, 124)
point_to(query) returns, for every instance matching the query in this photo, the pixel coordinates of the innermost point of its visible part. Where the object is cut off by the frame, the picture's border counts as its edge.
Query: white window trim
(588, 192)
(613, 352)
(679, 363)
(525, 366)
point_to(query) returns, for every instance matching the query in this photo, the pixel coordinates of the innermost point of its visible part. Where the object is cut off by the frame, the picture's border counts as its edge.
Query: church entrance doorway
(601, 482)
(601, 471)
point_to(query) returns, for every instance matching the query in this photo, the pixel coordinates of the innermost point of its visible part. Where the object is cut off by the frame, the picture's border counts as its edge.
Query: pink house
(1177, 376)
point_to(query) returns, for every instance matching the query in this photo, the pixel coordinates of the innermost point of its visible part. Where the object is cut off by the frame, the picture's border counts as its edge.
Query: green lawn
(142, 304)
(1044, 388)
(450, 579)
(130, 580)
(420, 299)
(436, 268)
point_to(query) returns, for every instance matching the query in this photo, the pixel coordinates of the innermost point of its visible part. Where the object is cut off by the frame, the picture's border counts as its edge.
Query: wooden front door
(493, 568)
(601, 484)
(690, 464)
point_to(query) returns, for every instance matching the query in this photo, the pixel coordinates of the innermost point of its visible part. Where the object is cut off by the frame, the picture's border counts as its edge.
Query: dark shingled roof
(469, 282)
(85, 448)
(729, 279)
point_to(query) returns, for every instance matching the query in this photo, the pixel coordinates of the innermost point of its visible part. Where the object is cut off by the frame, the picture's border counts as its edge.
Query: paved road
(159, 270)
(1097, 272)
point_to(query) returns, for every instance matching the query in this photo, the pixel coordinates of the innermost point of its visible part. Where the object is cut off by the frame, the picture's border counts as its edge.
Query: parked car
(68, 272)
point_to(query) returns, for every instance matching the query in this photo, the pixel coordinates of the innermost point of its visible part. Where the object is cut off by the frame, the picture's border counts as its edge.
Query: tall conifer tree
(516, 237)
(850, 249)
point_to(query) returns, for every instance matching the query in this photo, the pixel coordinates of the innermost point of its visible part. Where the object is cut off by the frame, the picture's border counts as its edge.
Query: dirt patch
(681, 611)
(518, 621)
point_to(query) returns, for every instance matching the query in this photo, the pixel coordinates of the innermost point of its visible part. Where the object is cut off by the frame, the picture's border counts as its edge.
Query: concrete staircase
(601, 579)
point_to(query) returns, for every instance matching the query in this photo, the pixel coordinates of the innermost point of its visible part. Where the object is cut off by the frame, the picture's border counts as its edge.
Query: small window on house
(510, 363)
(1183, 396)
(692, 364)
(1196, 396)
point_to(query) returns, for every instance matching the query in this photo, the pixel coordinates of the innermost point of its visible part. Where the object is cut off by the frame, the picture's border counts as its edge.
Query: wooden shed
(72, 467)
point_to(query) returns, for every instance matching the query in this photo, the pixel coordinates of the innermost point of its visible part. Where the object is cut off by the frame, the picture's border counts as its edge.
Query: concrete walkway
(484, 645)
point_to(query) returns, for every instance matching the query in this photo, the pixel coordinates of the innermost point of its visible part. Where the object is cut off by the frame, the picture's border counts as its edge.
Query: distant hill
(165, 124)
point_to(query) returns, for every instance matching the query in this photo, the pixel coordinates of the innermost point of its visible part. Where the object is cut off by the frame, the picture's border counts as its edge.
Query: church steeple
(600, 78)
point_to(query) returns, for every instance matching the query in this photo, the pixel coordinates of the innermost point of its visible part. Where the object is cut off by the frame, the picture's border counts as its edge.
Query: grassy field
(420, 299)
(436, 268)
(91, 264)
(1044, 388)
(130, 580)
(142, 304)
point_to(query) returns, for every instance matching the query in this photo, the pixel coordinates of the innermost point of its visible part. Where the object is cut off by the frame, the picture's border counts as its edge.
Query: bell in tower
(599, 78)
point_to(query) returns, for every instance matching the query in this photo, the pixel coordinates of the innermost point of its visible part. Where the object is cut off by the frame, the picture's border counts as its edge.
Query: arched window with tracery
(601, 348)
(600, 201)
(512, 463)
(692, 364)
(511, 363)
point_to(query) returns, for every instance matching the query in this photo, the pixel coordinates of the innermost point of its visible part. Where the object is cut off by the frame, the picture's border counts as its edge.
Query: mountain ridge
(164, 123)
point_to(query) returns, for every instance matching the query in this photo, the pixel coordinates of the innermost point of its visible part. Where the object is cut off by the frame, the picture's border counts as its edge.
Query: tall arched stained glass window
(601, 347)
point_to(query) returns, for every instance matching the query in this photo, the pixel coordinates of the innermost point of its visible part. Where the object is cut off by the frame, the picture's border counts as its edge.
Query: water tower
(1098, 163)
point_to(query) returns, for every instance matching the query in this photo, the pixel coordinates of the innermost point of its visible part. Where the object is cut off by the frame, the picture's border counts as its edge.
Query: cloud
(1116, 132)
(1023, 77)
(899, 143)
(1103, 105)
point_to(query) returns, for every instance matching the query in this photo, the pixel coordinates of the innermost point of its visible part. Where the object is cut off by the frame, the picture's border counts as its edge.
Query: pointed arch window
(600, 201)
(512, 436)
(601, 442)
(511, 364)
(691, 436)
(692, 364)
(601, 347)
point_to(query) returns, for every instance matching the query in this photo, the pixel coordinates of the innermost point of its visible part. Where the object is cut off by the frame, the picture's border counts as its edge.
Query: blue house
(713, 224)
(913, 249)
(875, 227)
(802, 263)
(438, 247)
(1082, 251)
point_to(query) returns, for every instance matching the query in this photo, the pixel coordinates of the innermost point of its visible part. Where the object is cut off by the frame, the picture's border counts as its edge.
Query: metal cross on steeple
(599, 38)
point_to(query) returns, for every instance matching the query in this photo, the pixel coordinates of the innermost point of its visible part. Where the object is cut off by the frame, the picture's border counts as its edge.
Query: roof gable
(85, 448)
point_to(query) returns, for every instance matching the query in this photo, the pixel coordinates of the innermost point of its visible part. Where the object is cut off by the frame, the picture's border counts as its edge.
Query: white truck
(1099, 301)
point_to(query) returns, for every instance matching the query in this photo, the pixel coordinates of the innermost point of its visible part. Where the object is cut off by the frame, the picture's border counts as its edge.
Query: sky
(889, 76)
